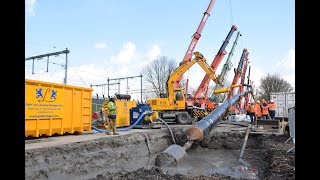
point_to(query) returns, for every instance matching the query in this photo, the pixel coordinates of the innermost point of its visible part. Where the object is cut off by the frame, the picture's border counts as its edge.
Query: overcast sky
(116, 38)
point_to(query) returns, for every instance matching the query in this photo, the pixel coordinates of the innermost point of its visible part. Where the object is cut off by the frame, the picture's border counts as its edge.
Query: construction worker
(252, 111)
(272, 109)
(233, 110)
(105, 119)
(258, 111)
(112, 111)
(264, 110)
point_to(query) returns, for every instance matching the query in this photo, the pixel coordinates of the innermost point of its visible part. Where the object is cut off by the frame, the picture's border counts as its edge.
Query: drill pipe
(202, 128)
(176, 153)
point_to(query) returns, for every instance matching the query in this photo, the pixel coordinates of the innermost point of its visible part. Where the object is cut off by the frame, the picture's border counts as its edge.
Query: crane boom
(203, 87)
(243, 72)
(238, 71)
(247, 97)
(195, 38)
(227, 66)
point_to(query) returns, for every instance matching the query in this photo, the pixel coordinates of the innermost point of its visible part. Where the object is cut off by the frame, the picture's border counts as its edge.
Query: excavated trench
(132, 156)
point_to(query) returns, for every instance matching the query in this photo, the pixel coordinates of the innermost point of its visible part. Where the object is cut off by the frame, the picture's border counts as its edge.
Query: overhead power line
(66, 51)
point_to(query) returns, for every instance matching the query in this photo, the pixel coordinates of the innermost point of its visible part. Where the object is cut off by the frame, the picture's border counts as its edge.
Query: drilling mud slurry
(129, 157)
(204, 161)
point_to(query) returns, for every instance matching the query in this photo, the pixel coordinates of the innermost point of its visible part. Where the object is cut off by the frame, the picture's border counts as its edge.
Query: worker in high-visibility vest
(233, 110)
(112, 115)
(257, 108)
(272, 109)
(264, 110)
(252, 111)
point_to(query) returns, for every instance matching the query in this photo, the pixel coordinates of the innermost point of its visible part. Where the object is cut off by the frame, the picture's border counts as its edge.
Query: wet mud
(132, 156)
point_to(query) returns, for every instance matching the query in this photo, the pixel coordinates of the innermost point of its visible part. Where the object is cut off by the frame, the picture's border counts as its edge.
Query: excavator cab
(180, 100)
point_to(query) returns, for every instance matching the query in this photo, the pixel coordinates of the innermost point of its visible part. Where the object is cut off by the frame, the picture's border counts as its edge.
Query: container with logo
(52, 108)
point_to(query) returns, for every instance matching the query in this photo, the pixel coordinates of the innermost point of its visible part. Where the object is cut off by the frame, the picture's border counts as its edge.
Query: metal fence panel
(291, 112)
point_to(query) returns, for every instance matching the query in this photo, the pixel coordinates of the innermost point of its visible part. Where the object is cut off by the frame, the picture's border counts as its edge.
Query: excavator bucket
(171, 155)
(175, 153)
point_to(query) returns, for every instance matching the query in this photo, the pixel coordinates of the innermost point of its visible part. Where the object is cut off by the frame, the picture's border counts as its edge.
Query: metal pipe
(245, 142)
(202, 128)
(176, 153)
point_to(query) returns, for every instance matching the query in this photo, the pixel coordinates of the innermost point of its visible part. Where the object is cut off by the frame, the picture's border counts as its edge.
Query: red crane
(203, 87)
(243, 73)
(249, 83)
(195, 38)
(238, 71)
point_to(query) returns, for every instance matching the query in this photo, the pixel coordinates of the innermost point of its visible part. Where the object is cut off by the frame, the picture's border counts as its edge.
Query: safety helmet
(258, 101)
(272, 100)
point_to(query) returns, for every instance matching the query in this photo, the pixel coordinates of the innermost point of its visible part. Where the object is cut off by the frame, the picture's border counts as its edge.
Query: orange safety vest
(272, 106)
(257, 108)
(246, 107)
(252, 109)
(265, 110)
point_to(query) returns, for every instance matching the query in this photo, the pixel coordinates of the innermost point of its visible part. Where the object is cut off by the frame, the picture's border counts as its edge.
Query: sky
(117, 38)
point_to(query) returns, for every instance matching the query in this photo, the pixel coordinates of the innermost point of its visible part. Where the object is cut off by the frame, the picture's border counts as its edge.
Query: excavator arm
(178, 72)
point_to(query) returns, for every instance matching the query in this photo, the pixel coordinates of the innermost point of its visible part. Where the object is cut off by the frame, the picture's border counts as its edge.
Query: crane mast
(247, 97)
(203, 87)
(243, 73)
(238, 71)
(227, 66)
(195, 38)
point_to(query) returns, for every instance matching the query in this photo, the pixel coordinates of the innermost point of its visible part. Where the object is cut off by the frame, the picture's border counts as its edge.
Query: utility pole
(66, 68)
(122, 78)
(108, 84)
(51, 54)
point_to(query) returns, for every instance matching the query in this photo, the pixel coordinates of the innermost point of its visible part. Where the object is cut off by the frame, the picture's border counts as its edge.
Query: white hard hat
(271, 100)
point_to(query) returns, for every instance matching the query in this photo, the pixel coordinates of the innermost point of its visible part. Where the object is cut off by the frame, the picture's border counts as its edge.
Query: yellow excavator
(173, 106)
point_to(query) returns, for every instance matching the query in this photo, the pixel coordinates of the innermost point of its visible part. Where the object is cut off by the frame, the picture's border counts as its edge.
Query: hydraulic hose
(97, 129)
(174, 141)
(137, 121)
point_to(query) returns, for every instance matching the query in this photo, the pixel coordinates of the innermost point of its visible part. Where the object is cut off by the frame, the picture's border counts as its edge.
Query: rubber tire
(183, 118)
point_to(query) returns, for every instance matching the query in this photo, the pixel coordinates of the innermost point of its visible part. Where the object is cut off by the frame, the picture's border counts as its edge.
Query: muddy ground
(131, 156)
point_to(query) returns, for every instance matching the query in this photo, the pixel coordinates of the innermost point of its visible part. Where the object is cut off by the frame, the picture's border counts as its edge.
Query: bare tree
(156, 74)
(273, 84)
